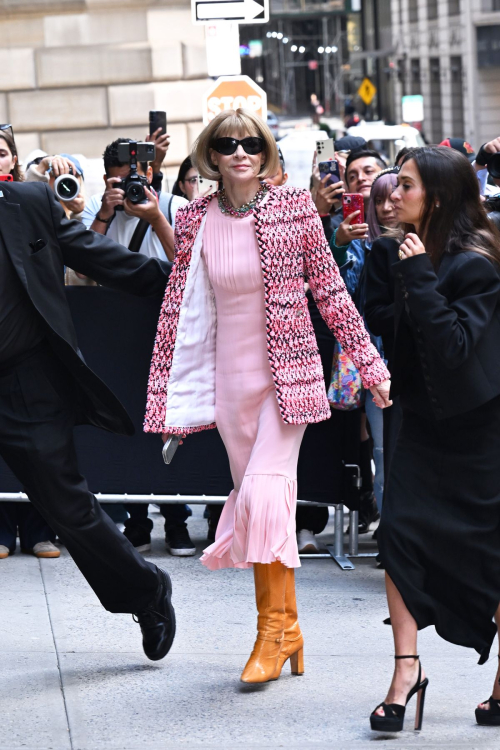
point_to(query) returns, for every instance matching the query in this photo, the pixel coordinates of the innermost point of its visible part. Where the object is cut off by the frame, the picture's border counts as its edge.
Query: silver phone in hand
(170, 447)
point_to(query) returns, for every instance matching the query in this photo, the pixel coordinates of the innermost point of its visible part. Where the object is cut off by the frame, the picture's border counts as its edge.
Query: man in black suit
(46, 389)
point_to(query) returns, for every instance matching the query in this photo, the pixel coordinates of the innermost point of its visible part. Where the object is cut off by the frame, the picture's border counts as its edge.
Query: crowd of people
(410, 293)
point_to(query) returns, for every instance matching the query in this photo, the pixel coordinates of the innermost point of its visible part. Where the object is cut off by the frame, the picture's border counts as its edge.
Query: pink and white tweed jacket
(293, 248)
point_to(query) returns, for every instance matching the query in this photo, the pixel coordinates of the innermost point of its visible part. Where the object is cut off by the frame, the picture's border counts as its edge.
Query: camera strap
(138, 236)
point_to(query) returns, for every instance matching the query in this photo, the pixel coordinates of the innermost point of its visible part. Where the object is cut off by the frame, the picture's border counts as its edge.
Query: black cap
(349, 143)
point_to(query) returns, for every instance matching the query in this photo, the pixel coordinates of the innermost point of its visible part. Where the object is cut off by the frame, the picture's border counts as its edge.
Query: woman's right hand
(347, 231)
(380, 393)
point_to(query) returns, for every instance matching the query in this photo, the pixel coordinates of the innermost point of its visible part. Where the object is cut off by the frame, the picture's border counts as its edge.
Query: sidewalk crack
(58, 658)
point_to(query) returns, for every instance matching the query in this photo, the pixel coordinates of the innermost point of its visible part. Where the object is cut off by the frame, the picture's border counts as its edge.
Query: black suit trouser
(38, 409)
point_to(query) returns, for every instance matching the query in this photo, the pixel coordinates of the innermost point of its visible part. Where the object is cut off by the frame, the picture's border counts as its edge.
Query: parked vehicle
(273, 124)
(387, 139)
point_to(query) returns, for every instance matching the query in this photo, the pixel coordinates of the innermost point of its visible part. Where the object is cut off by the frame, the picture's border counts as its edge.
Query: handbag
(346, 389)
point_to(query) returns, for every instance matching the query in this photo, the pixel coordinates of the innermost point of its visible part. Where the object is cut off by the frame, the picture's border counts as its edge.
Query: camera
(491, 161)
(492, 206)
(133, 185)
(67, 187)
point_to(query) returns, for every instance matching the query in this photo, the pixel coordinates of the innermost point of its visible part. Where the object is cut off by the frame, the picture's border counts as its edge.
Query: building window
(490, 5)
(457, 98)
(415, 87)
(435, 108)
(454, 7)
(413, 11)
(432, 9)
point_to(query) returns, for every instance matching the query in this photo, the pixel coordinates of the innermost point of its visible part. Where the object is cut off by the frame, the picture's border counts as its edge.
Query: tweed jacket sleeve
(334, 301)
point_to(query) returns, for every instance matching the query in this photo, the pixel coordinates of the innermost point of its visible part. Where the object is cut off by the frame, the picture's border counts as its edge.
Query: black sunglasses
(8, 129)
(227, 146)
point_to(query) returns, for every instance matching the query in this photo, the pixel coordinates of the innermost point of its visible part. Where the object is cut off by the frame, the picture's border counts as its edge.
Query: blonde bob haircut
(241, 122)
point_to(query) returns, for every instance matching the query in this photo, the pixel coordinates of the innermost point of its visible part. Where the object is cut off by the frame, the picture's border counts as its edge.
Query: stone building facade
(75, 74)
(445, 50)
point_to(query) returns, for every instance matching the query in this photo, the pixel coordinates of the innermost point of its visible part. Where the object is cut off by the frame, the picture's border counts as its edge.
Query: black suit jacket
(40, 242)
(447, 326)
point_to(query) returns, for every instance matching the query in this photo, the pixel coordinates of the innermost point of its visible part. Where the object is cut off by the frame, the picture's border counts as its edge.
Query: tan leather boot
(270, 581)
(293, 641)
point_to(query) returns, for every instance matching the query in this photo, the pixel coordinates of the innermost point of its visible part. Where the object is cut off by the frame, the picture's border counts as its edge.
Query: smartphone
(331, 168)
(6, 178)
(206, 187)
(352, 202)
(326, 149)
(157, 119)
(170, 447)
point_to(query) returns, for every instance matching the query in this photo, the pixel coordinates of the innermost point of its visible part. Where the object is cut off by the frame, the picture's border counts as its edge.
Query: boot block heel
(297, 662)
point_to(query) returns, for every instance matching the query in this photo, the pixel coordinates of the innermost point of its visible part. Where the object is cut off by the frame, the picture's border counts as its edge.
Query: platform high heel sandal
(394, 718)
(489, 717)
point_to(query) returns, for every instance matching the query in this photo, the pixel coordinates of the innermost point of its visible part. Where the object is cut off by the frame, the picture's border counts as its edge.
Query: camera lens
(135, 193)
(494, 166)
(66, 187)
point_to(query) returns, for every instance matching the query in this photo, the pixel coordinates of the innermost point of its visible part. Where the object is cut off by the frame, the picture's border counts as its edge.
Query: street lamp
(285, 40)
(328, 50)
(321, 50)
(302, 49)
(279, 35)
(293, 48)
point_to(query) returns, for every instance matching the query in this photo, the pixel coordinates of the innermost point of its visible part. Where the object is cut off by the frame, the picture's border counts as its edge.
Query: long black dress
(440, 531)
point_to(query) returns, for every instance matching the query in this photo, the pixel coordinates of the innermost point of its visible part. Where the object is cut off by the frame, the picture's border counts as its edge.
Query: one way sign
(237, 11)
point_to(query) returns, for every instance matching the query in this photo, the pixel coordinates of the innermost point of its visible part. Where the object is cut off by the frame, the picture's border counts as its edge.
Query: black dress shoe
(368, 512)
(158, 621)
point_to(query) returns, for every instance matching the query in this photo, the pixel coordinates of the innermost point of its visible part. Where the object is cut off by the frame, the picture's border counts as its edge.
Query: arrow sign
(238, 11)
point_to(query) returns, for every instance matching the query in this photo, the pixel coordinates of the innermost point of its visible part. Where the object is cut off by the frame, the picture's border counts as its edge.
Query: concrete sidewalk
(73, 677)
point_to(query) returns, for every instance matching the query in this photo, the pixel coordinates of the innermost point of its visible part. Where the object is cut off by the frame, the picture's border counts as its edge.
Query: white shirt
(123, 226)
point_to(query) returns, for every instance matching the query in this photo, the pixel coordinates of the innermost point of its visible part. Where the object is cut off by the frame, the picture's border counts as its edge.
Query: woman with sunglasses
(235, 346)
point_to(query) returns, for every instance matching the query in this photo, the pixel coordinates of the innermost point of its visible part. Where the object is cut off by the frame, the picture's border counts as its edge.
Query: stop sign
(233, 92)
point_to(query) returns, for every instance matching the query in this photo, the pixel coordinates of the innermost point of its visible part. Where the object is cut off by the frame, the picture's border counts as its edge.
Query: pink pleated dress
(257, 524)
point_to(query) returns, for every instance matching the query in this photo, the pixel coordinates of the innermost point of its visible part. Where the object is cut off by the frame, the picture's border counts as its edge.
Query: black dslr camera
(133, 185)
(491, 161)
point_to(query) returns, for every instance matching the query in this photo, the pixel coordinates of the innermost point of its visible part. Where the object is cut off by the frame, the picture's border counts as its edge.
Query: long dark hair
(460, 222)
(16, 170)
(186, 165)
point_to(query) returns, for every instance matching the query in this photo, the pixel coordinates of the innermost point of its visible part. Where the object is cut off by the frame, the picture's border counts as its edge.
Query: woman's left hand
(411, 246)
(380, 393)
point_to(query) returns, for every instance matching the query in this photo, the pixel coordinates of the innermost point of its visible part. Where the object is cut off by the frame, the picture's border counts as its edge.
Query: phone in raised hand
(206, 187)
(352, 202)
(330, 168)
(325, 149)
(157, 119)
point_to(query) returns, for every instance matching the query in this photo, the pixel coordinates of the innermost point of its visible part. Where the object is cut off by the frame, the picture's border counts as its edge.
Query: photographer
(147, 228)
(487, 165)
(49, 168)
(113, 214)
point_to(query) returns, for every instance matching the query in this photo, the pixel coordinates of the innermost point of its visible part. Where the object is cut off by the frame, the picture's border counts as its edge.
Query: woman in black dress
(440, 531)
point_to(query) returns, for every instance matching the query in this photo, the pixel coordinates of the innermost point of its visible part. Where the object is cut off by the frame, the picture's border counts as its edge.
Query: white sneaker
(306, 541)
(46, 549)
(4, 551)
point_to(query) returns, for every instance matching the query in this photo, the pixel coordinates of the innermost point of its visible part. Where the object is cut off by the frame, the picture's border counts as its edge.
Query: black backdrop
(116, 334)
